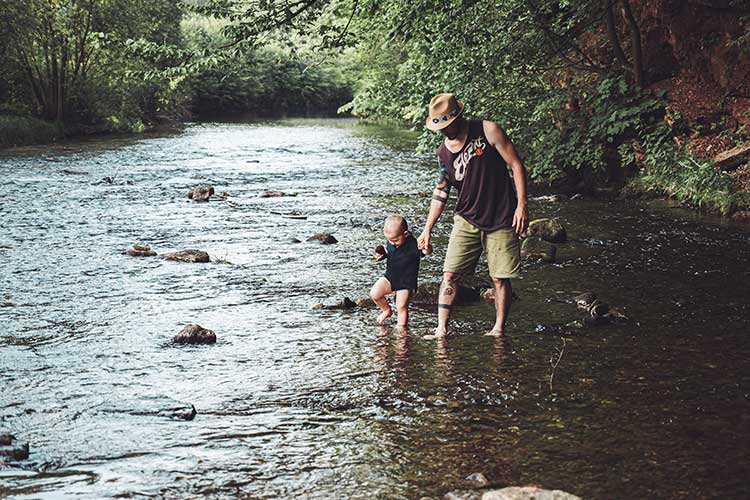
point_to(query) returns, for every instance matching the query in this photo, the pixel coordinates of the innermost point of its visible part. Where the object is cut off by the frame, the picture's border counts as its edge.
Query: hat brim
(441, 125)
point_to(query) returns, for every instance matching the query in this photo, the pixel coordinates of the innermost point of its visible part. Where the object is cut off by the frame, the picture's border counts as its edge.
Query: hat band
(446, 117)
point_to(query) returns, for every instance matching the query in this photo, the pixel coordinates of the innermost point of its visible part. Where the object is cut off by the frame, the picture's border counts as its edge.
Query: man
(490, 214)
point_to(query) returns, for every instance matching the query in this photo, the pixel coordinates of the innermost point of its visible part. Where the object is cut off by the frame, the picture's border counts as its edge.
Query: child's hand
(380, 253)
(427, 250)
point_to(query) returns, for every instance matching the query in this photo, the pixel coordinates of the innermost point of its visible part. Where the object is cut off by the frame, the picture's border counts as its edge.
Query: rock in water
(534, 248)
(201, 193)
(194, 334)
(140, 251)
(181, 413)
(187, 256)
(585, 299)
(347, 303)
(273, 194)
(548, 229)
(324, 238)
(527, 493)
(463, 495)
(11, 449)
(366, 302)
(479, 479)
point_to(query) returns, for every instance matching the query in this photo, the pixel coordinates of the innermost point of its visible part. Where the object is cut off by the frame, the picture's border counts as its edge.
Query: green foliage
(22, 130)
(672, 171)
(75, 61)
(580, 128)
(272, 80)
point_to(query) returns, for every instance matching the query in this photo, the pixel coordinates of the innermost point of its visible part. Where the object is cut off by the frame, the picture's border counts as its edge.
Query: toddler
(401, 270)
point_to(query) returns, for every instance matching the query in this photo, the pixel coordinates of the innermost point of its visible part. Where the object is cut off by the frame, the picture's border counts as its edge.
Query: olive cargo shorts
(467, 242)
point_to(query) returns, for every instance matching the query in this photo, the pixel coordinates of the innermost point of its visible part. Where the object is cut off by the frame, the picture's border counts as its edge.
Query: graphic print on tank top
(473, 148)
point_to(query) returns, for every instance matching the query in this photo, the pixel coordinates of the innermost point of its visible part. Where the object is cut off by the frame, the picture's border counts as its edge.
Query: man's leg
(504, 260)
(446, 298)
(464, 249)
(380, 289)
(503, 293)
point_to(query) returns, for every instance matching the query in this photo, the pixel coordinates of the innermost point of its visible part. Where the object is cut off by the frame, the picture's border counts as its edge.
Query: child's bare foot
(384, 316)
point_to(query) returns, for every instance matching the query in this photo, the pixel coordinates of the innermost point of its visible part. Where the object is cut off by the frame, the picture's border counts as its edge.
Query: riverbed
(295, 402)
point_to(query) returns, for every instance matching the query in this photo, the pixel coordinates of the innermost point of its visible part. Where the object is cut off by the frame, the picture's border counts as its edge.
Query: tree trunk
(609, 19)
(635, 38)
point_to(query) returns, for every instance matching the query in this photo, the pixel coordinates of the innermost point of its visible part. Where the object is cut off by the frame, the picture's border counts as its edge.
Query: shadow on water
(300, 403)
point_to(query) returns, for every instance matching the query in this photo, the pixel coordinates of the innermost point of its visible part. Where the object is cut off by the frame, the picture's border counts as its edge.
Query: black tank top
(486, 196)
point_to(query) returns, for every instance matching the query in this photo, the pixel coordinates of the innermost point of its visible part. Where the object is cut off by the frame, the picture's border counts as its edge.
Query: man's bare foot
(495, 332)
(437, 333)
(384, 316)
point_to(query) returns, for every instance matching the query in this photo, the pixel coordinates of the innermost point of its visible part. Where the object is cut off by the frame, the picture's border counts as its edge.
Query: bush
(23, 130)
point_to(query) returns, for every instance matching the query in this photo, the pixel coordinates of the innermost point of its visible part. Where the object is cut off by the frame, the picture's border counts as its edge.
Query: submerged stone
(585, 299)
(527, 493)
(273, 194)
(478, 478)
(548, 229)
(11, 448)
(534, 248)
(323, 238)
(346, 303)
(181, 413)
(201, 193)
(140, 251)
(463, 495)
(191, 256)
(194, 334)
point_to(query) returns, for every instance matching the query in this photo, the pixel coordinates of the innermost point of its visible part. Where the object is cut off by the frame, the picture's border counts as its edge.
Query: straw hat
(444, 108)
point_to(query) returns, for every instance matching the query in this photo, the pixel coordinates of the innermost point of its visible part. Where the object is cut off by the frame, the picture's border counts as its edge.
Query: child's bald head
(394, 225)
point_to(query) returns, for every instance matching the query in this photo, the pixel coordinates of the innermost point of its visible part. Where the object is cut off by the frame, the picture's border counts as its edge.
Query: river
(294, 402)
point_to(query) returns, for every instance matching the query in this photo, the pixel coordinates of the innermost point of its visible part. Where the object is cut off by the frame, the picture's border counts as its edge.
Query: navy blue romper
(403, 264)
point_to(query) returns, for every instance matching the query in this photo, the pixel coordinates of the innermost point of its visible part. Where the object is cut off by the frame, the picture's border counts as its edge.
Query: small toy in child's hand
(380, 249)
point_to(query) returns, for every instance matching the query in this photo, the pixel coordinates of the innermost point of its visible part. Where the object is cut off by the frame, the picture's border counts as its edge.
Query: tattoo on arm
(443, 183)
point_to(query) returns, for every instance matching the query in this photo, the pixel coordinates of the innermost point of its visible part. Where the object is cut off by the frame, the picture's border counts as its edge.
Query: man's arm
(439, 198)
(504, 146)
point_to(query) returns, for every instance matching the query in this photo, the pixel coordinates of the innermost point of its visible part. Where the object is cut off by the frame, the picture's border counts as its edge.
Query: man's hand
(520, 219)
(423, 242)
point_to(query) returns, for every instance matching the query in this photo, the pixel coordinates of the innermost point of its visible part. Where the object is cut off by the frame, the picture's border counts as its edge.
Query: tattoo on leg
(444, 306)
(445, 289)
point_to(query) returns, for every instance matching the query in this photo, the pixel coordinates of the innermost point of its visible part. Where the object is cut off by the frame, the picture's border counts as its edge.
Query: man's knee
(451, 278)
(501, 282)
(449, 286)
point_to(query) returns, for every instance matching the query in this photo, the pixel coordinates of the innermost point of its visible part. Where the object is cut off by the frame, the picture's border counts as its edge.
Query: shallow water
(299, 403)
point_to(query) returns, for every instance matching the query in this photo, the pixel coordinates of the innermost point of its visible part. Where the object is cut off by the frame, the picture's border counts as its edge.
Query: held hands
(423, 242)
(520, 219)
(427, 250)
